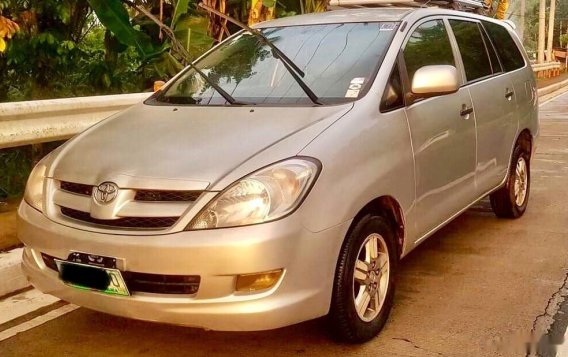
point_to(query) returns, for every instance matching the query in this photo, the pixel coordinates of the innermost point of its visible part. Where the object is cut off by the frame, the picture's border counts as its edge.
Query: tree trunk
(541, 31)
(550, 30)
(522, 21)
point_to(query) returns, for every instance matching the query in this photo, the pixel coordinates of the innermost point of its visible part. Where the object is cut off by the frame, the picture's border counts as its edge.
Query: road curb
(12, 277)
(552, 88)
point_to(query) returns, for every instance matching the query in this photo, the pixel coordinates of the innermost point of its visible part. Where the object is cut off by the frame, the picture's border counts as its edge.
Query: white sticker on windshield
(355, 87)
(387, 27)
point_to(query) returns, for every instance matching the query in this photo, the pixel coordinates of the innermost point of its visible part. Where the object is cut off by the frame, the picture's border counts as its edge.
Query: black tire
(503, 201)
(345, 323)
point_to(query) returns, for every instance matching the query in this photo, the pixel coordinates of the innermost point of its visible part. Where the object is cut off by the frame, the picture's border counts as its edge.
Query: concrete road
(476, 288)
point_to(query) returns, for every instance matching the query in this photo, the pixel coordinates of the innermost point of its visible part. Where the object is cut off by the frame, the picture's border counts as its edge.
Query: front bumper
(217, 256)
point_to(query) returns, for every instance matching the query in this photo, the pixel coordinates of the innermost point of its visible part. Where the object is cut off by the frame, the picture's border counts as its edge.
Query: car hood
(188, 147)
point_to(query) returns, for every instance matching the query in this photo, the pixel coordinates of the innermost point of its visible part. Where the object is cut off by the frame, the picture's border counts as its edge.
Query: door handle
(509, 93)
(466, 111)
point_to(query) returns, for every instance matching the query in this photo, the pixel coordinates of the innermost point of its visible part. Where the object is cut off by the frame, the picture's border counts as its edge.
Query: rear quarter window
(509, 53)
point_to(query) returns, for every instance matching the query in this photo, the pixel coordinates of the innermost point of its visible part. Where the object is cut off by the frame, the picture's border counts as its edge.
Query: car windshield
(339, 61)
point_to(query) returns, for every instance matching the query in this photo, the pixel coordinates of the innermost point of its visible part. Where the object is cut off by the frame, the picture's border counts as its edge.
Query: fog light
(258, 281)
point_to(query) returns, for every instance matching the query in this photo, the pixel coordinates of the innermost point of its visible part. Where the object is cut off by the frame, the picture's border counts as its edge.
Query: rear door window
(472, 48)
(495, 64)
(507, 49)
(428, 45)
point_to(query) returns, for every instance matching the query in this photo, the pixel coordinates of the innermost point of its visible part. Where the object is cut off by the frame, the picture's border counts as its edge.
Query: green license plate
(88, 277)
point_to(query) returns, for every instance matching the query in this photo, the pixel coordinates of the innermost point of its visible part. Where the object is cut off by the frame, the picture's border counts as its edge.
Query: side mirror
(158, 85)
(430, 81)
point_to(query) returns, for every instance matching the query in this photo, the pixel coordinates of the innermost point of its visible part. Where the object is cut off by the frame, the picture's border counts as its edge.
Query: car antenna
(294, 70)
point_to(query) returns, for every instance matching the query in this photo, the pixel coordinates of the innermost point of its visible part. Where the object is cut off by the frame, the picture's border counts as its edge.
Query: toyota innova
(283, 175)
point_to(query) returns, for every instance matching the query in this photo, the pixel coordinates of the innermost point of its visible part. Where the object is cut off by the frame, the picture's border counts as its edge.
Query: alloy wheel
(371, 277)
(521, 181)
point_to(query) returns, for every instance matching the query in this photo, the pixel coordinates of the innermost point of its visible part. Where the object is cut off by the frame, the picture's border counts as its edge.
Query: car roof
(376, 14)
(340, 16)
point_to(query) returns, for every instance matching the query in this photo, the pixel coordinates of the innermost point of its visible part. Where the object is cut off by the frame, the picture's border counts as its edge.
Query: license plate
(88, 277)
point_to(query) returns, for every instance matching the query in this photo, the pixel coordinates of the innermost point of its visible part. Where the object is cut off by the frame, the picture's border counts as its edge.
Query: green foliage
(191, 31)
(16, 164)
(73, 54)
(268, 3)
(114, 17)
(182, 6)
(564, 40)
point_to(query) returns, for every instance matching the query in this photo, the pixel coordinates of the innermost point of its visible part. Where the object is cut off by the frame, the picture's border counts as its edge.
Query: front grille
(141, 195)
(124, 222)
(77, 188)
(149, 283)
(162, 284)
(166, 196)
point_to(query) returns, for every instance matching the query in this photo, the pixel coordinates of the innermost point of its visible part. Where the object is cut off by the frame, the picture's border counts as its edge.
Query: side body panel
(444, 149)
(524, 83)
(364, 155)
(496, 129)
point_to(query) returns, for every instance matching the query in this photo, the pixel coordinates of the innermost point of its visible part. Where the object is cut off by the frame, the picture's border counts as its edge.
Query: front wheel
(511, 200)
(364, 281)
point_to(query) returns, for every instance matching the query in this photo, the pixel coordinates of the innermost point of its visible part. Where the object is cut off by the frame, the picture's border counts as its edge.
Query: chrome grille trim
(123, 222)
(137, 209)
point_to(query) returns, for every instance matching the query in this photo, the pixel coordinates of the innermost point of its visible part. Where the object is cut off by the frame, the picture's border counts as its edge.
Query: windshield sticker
(387, 27)
(355, 87)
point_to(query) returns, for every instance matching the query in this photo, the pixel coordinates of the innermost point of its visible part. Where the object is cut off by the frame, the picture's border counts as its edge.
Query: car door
(493, 99)
(443, 133)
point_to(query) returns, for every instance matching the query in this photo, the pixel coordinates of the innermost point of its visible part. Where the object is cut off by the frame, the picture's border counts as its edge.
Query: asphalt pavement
(478, 287)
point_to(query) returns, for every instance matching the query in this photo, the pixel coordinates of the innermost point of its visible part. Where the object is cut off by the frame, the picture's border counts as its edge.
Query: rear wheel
(364, 281)
(511, 200)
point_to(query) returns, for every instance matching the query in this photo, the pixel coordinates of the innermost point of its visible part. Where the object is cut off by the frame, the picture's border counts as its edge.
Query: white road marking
(24, 303)
(37, 321)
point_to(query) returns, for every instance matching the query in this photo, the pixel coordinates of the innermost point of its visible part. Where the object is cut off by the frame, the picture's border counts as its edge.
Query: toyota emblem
(106, 192)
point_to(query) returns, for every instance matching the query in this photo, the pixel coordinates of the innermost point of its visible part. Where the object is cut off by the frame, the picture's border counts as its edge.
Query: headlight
(265, 195)
(34, 187)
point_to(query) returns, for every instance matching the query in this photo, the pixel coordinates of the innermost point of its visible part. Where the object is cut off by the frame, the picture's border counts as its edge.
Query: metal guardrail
(33, 122)
(545, 66)
(24, 123)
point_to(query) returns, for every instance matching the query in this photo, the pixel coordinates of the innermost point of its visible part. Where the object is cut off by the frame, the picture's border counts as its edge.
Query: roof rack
(477, 6)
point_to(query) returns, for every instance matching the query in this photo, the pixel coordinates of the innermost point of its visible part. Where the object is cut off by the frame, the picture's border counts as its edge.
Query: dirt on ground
(8, 239)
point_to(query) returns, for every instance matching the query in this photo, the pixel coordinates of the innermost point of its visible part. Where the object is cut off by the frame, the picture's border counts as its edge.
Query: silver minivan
(283, 176)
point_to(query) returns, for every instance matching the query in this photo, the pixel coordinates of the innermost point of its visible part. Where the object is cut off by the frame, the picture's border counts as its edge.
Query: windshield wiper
(229, 98)
(292, 68)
